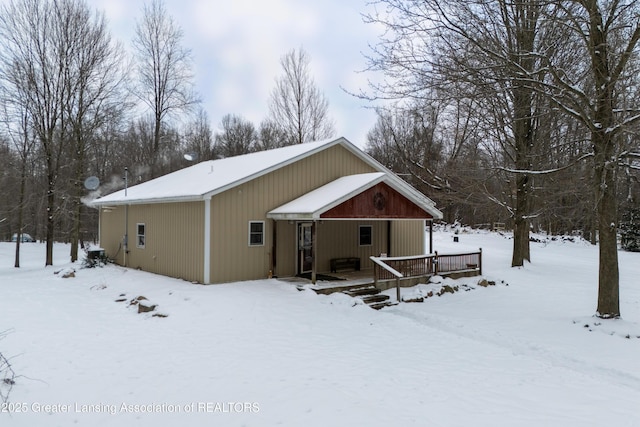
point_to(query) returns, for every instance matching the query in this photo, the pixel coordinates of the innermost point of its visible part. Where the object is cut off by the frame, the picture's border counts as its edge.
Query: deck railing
(413, 266)
(455, 263)
(396, 268)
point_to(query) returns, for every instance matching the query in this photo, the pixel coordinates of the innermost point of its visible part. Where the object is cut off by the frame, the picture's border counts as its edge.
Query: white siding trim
(207, 241)
(425, 240)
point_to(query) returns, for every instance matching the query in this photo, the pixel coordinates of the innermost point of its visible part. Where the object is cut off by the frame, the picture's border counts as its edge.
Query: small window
(365, 235)
(140, 235)
(256, 233)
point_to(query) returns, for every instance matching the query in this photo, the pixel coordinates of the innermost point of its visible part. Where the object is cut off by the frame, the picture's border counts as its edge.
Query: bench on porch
(345, 263)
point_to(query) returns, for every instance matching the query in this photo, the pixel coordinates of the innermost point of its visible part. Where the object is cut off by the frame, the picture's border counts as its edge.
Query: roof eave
(301, 216)
(137, 201)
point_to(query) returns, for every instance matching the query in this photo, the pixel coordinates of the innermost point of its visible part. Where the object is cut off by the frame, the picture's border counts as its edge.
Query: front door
(305, 247)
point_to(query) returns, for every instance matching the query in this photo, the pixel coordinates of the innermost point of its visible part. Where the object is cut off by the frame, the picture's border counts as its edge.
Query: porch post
(388, 237)
(314, 244)
(274, 248)
(430, 235)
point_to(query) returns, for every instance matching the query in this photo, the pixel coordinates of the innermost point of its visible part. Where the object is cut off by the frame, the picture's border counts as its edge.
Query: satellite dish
(92, 183)
(191, 157)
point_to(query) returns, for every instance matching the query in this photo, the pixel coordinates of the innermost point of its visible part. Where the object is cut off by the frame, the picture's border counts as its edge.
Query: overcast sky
(236, 46)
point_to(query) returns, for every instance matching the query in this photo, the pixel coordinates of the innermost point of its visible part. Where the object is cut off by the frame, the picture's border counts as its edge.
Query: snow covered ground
(526, 352)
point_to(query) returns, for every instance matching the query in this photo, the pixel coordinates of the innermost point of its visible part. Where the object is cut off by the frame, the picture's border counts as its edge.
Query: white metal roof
(313, 204)
(209, 178)
(320, 200)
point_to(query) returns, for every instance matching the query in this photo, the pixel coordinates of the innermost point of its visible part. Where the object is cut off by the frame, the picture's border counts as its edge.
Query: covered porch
(392, 272)
(395, 272)
(336, 229)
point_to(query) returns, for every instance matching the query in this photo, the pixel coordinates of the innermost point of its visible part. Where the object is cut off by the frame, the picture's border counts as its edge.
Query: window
(365, 235)
(140, 235)
(256, 233)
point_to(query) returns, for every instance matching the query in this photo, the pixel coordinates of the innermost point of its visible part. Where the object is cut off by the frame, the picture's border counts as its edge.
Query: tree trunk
(18, 241)
(605, 162)
(156, 147)
(50, 213)
(525, 18)
(607, 216)
(521, 249)
(75, 233)
(78, 190)
(23, 179)
(523, 136)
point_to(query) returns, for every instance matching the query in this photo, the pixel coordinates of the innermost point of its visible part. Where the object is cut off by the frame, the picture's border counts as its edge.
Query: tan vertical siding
(112, 232)
(286, 249)
(407, 237)
(339, 239)
(174, 243)
(231, 257)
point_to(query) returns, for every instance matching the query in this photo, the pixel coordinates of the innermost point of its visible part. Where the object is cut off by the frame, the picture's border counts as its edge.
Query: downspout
(125, 242)
(207, 241)
(99, 226)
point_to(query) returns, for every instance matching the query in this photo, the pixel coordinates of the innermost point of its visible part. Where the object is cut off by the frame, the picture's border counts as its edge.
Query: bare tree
(270, 135)
(95, 90)
(18, 128)
(199, 137)
(164, 70)
(6, 182)
(487, 50)
(608, 33)
(383, 142)
(579, 57)
(237, 136)
(60, 70)
(34, 45)
(438, 148)
(296, 105)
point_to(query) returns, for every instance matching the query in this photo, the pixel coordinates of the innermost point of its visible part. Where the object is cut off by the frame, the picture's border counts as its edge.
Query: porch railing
(411, 266)
(396, 268)
(458, 263)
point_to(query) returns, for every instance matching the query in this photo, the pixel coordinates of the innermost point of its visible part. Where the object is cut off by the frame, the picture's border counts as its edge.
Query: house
(280, 212)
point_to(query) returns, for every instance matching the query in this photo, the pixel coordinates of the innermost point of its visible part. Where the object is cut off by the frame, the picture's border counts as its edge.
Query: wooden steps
(370, 295)
(366, 292)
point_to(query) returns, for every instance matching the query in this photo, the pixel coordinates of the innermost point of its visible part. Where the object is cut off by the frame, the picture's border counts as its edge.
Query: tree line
(518, 111)
(75, 103)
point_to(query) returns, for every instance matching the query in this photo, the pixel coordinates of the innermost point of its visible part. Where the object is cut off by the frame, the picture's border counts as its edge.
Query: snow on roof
(208, 178)
(214, 176)
(318, 201)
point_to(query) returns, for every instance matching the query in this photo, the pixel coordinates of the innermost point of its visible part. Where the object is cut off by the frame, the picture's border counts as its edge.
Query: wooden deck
(415, 270)
(345, 280)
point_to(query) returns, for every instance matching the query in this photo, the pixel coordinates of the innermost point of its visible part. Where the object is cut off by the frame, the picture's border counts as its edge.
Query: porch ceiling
(362, 196)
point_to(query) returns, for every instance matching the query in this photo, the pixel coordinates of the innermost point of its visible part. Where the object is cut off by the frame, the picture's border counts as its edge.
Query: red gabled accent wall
(379, 201)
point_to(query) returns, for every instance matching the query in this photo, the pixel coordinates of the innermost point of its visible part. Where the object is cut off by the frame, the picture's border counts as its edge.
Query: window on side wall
(365, 235)
(256, 233)
(140, 235)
